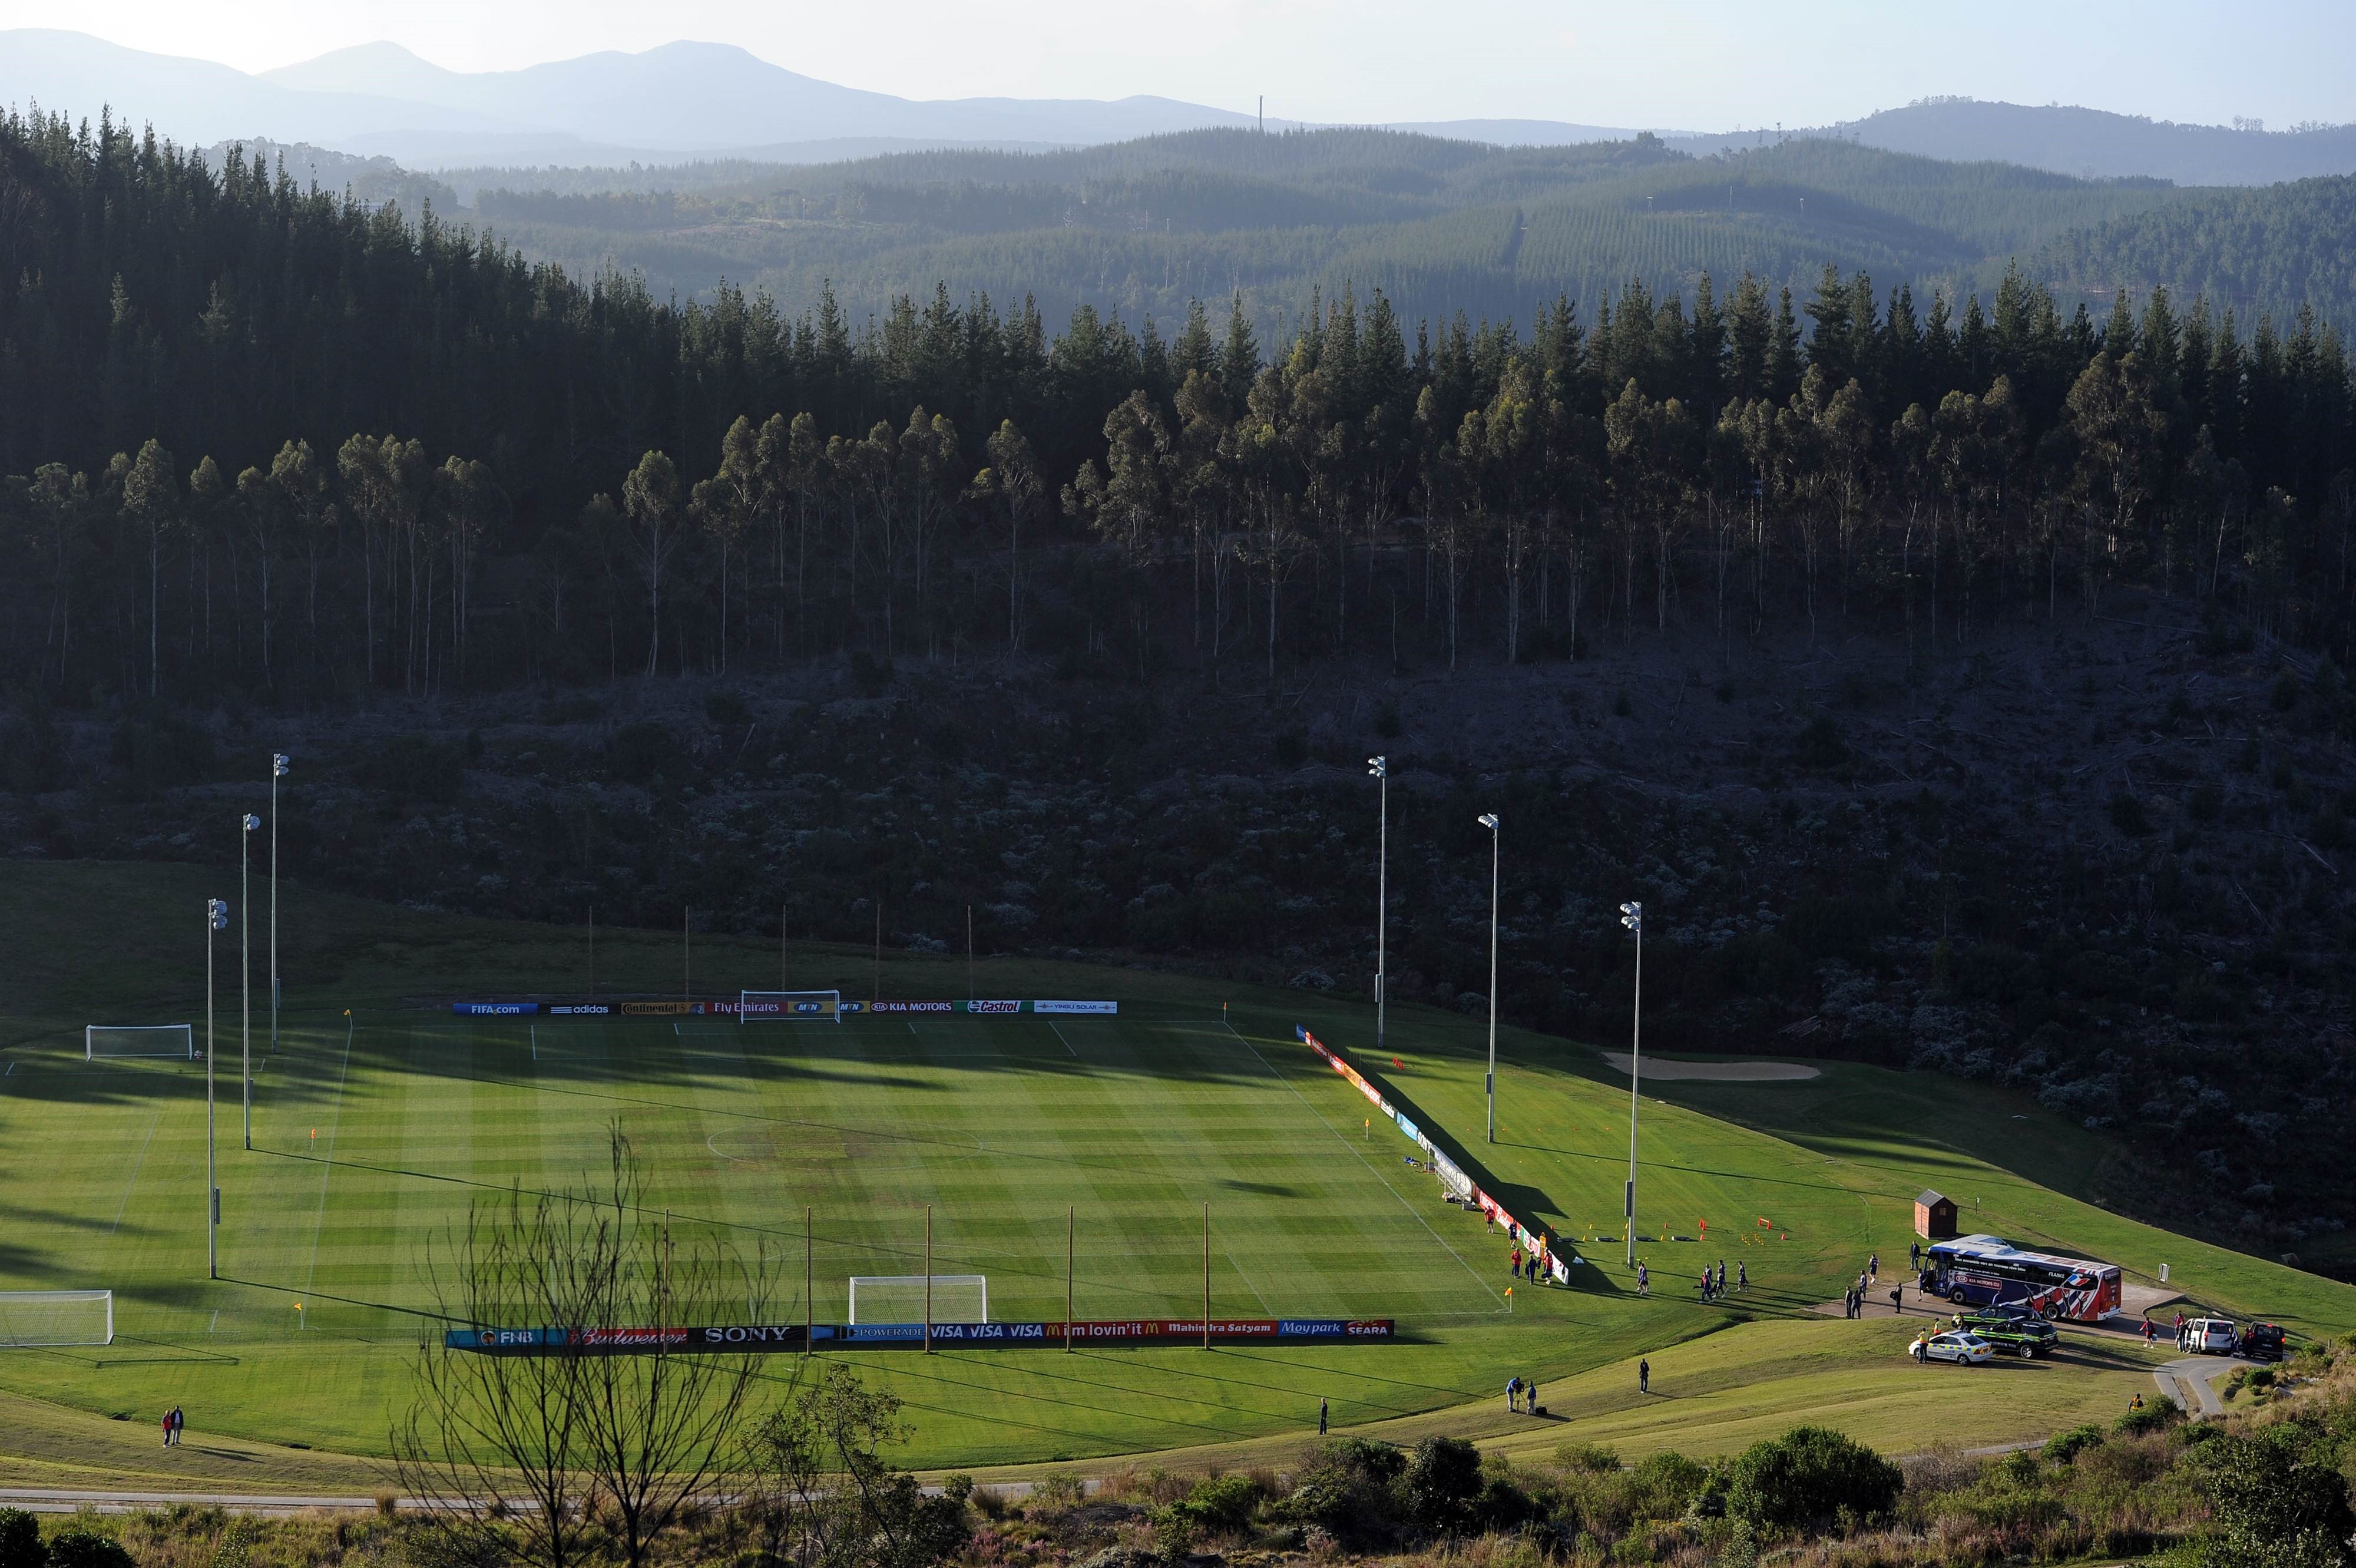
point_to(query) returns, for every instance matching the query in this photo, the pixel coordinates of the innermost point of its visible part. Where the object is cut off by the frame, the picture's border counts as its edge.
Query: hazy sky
(1698, 64)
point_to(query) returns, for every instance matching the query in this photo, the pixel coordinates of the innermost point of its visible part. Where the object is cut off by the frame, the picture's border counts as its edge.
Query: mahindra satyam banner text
(744, 1336)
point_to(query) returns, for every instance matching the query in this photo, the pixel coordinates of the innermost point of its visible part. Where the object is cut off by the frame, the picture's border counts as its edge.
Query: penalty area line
(1059, 1034)
(335, 1125)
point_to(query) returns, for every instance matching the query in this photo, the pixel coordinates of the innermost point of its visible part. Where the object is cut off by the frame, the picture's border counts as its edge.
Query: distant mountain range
(685, 102)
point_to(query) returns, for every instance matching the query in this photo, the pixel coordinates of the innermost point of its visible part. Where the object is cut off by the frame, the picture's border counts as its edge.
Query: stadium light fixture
(246, 824)
(1632, 915)
(1496, 840)
(1378, 767)
(279, 764)
(216, 919)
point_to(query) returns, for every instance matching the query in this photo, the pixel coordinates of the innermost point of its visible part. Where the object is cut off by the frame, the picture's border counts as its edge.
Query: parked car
(2262, 1342)
(1959, 1346)
(2210, 1336)
(2025, 1335)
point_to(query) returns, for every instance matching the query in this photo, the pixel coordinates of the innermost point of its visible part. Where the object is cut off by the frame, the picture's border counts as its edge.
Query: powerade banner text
(747, 1336)
(1557, 1266)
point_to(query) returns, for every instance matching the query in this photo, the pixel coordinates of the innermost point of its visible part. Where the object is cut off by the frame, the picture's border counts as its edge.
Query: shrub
(1810, 1474)
(1664, 1485)
(2128, 816)
(1219, 1505)
(20, 1541)
(1443, 1478)
(417, 768)
(2065, 1446)
(1345, 1488)
(635, 753)
(1594, 1458)
(157, 750)
(1820, 744)
(2157, 1417)
(86, 1549)
(726, 708)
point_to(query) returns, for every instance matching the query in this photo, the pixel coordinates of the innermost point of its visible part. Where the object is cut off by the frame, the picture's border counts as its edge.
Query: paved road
(2191, 1383)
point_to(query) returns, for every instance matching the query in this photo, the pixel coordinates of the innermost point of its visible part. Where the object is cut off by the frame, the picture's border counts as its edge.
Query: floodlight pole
(809, 1278)
(246, 824)
(928, 1279)
(1632, 915)
(1380, 768)
(279, 763)
(1496, 840)
(1071, 1255)
(216, 919)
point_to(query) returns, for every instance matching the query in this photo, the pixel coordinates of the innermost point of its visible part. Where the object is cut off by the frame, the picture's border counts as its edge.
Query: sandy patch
(1717, 1072)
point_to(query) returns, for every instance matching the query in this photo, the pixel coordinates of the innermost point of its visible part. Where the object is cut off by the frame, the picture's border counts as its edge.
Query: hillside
(2091, 143)
(1441, 226)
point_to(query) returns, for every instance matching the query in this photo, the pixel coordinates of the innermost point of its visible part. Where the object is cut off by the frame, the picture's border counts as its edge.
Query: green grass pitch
(1000, 1126)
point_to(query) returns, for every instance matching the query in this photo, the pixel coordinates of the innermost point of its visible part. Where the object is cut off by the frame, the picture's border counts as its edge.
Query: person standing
(1513, 1393)
(1914, 1256)
(1897, 1298)
(1644, 1377)
(1873, 1269)
(180, 1421)
(1643, 1280)
(1530, 1394)
(1321, 1418)
(1516, 1255)
(1742, 1276)
(167, 1429)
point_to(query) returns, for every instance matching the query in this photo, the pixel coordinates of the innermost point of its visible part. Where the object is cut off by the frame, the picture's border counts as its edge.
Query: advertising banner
(993, 1006)
(578, 1009)
(1557, 1266)
(912, 1006)
(494, 1009)
(739, 1337)
(1096, 1007)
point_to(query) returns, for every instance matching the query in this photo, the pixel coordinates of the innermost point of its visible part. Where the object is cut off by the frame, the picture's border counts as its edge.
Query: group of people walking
(1713, 1282)
(173, 1422)
(1529, 1265)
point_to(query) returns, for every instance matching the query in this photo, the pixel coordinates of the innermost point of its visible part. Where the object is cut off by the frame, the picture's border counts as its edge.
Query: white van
(2210, 1336)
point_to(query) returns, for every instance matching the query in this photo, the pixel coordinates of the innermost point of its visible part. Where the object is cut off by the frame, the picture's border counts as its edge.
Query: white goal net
(790, 1007)
(33, 1319)
(900, 1298)
(137, 1041)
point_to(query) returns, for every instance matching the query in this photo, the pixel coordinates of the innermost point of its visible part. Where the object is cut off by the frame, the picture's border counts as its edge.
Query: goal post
(32, 1319)
(790, 1007)
(900, 1298)
(103, 1041)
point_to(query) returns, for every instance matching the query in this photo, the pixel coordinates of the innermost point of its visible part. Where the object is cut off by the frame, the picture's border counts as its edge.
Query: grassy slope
(1834, 1162)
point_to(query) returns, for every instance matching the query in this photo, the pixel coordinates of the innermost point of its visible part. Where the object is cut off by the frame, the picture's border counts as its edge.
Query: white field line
(124, 1205)
(535, 1042)
(1059, 1034)
(1362, 1159)
(335, 1123)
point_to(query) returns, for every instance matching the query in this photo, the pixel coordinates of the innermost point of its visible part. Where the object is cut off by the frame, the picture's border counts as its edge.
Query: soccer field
(374, 1135)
